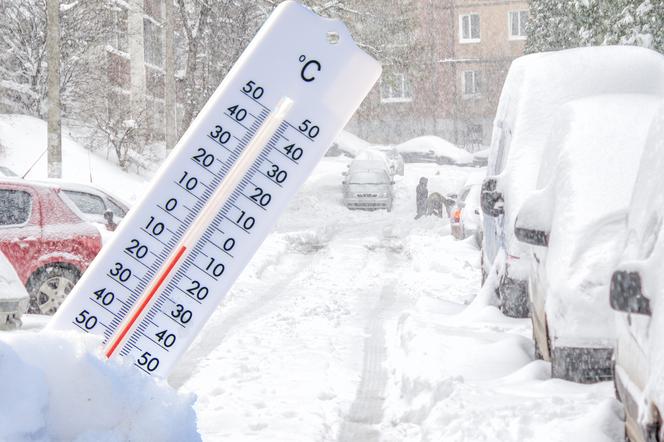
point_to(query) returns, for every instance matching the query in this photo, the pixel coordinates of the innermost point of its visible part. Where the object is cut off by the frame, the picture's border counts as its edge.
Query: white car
(637, 296)
(536, 87)
(368, 185)
(465, 217)
(14, 298)
(575, 223)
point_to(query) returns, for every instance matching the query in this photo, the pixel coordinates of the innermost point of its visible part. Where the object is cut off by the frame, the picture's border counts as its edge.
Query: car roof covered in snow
(78, 187)
(437, 145)
(537, 85)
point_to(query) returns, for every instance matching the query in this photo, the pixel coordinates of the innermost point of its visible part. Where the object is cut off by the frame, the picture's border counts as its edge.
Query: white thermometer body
(176, 255)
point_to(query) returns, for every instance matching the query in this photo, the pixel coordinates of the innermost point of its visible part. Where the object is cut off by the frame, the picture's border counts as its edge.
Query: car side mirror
(110, 224)
(344, 182)
(491, 200)
(392, 182)
(626, 295)
(344, 173)
(533, 222)
(532, 236)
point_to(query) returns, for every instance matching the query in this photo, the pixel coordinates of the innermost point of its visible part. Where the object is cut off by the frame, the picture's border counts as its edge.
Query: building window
(469, 25)
(470, 83)
(119, 33)
(395, 88)
(517, 24)
(152, 43)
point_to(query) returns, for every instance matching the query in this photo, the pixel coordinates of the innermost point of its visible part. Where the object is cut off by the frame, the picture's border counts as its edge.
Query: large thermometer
(174, 258)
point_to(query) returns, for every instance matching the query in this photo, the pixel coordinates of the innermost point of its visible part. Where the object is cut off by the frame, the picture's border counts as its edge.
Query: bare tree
(170, 123)
(194, 19)
(54, 157)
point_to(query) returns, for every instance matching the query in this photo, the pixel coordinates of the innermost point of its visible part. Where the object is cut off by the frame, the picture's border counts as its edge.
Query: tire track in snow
(366, 411)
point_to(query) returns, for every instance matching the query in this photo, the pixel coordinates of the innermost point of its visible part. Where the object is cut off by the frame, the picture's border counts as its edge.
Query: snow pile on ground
(465, 372)
(55, 388)
(23, 140)
(439, 147)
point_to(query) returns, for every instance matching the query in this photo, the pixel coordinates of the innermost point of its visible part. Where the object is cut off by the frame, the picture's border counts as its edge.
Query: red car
(46, 239)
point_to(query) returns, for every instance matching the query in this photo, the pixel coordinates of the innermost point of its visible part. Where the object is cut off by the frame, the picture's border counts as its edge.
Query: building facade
(451, 82)
(135, 62)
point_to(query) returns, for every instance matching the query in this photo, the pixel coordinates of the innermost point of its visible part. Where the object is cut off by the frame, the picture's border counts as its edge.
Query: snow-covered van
(536, 86)
(637, 296)
(574, 223)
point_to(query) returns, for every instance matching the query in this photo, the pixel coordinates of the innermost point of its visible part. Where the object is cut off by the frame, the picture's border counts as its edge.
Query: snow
(352, 325)
(24, 140)
(346, 325)
(438, 146)
(56, 388)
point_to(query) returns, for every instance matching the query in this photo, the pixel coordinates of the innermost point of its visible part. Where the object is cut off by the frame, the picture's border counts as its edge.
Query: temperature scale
(175, 256)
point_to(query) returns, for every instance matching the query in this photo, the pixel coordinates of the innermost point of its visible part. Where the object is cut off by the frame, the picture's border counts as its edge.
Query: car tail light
(456, 215)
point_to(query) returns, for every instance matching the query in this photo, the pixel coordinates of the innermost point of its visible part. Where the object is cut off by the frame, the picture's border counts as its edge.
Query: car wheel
(48, 288)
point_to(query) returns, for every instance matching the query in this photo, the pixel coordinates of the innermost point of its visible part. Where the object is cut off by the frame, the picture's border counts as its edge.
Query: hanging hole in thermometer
(175, 256)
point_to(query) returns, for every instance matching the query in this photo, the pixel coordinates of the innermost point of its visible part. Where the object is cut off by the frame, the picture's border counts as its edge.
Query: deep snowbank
(23, 140)
(55, 388)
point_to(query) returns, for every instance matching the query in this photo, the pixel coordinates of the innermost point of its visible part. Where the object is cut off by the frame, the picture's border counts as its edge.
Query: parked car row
(49, 232)
(572, 211)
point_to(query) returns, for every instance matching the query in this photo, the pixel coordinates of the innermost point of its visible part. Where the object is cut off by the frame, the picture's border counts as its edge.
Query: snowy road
(369, 326)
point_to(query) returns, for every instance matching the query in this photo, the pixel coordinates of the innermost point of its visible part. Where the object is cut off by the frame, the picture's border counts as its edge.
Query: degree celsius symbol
(309, 66)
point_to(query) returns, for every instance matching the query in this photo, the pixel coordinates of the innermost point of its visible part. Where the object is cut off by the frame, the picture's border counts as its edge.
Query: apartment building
(134, 73)
(450, 85)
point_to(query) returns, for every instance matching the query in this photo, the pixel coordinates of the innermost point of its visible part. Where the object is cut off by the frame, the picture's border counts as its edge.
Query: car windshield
(367, 178)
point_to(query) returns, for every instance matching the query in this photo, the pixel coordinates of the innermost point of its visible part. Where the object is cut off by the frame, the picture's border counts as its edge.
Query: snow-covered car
(13, 296)
(481, 158)
(575, 224)
(637, 296)
(432, 149)
(536, 86)
(394, 159)
(347, 144)
(368, 185)
(465, 218)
